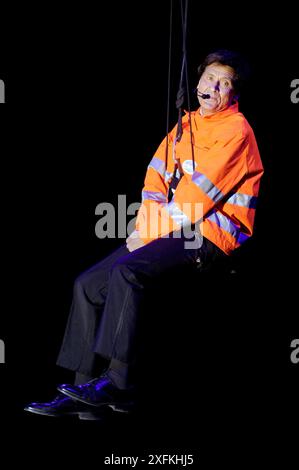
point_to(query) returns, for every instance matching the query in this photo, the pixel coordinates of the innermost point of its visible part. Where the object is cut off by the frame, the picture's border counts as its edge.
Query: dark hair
(234, 60)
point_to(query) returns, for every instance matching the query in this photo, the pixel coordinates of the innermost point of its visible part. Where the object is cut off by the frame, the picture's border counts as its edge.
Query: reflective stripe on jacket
(221, 194)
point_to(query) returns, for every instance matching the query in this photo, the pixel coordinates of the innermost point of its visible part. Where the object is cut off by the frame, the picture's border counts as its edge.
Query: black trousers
(103, 319)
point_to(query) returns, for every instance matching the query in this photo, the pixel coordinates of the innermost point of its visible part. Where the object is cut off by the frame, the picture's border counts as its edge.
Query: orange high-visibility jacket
(221, 194)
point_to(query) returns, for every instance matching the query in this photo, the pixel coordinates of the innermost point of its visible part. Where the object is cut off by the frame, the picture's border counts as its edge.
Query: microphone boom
(204, 96)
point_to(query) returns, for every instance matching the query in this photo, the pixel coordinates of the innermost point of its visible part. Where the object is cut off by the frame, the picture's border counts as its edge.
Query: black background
(86, 92)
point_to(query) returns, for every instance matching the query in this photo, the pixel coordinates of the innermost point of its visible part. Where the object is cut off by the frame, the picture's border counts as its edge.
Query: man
(209, 213)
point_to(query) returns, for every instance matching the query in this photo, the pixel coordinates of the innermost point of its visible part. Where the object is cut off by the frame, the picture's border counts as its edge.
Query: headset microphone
(204, 96)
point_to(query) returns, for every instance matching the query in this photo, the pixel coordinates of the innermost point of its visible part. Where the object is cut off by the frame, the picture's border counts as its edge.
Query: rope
(187, 85)
(181, 90)
(180, 97)
(168, 81)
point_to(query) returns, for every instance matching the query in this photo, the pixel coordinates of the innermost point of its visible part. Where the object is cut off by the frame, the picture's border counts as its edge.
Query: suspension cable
(180, 94)
(168, 81)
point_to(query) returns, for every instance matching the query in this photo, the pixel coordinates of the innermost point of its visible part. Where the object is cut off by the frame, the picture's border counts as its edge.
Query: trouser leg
(82, 378)
(130, 275)
(89, 295)
(103, 316)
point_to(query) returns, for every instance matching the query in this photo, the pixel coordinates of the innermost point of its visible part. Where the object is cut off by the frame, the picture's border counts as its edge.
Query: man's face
(217, 82)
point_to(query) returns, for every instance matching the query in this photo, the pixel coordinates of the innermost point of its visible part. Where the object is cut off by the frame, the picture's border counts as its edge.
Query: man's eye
(226, 84)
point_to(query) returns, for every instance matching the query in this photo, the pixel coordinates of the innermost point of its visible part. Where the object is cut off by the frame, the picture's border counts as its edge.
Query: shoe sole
(103, 415)
(127, 408)
(114, 405)
(83, 415)
(93, 416)
(53, 415)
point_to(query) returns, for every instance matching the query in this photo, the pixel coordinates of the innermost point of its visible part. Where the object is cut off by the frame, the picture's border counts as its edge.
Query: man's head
(221, 75)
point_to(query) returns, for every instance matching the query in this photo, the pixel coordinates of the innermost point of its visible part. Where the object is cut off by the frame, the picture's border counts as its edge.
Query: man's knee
(79, 283)
(84, 282)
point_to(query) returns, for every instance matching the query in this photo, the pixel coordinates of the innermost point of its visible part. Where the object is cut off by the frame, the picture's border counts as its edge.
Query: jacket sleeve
(152, 219)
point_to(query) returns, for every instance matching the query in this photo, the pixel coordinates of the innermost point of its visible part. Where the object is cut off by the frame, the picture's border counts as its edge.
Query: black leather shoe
(60, 406)
(99, 392)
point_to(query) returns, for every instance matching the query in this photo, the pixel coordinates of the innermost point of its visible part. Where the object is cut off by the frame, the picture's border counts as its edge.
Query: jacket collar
(233, 109)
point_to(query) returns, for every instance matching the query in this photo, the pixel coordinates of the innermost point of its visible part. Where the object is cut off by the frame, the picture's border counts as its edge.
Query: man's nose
(216, 86)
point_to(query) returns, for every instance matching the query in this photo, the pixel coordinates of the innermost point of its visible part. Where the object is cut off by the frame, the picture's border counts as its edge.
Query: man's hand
(134, 241)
